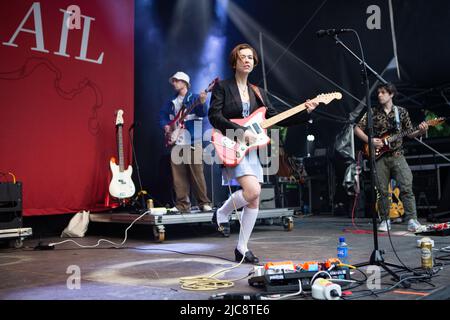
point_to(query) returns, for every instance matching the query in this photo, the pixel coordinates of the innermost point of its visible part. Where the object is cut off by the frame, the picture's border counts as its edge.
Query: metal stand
(376, 258)
(138, 202)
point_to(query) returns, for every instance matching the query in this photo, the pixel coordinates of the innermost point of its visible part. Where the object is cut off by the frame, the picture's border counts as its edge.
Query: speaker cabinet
(426, 188)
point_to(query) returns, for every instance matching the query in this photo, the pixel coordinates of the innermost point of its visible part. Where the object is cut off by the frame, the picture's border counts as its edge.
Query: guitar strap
(397, 118)
(257, 92)
(184, 109)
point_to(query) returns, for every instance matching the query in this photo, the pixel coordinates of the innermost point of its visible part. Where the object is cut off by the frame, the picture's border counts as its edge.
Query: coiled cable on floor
(206, 283)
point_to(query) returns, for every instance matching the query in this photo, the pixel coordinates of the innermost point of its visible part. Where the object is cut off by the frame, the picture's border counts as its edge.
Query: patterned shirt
(385, 123)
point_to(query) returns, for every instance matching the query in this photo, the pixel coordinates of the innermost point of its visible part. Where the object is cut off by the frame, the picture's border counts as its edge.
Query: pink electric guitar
(231, 152)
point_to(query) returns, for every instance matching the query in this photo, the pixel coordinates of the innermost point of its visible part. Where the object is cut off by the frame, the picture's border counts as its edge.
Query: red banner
(66, 67)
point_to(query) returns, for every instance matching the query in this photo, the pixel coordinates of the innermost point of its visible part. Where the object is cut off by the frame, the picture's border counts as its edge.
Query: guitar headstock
(212, 84)
(435, 122)
(326, 98)
(119, 117)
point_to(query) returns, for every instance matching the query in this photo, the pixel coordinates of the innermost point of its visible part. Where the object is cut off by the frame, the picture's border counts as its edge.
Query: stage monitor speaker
(10, 205)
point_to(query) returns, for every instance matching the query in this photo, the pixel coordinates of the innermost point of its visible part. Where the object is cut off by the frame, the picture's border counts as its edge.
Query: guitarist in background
(186, 174)
(236, 98)
(388, 118)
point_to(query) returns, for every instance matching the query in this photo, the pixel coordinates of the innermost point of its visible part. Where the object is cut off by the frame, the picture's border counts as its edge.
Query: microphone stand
(363, 63)
(376, 258)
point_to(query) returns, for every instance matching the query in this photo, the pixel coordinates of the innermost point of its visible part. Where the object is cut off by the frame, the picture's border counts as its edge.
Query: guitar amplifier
(10, 205)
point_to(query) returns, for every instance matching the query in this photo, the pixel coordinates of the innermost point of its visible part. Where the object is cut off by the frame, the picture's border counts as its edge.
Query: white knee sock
(248, 220)
(224, 212)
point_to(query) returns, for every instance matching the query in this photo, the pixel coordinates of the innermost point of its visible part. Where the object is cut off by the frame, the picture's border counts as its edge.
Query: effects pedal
(285, 276)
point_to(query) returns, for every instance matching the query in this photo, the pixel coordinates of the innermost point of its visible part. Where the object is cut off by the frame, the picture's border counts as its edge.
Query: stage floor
(146, 270)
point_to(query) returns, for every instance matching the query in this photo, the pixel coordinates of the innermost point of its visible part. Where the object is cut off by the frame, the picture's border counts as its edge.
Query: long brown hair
(234, 55)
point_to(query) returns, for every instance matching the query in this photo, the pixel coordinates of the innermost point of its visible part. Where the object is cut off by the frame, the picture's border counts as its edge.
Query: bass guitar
(388, 139)
(232, 151)
(121, 185)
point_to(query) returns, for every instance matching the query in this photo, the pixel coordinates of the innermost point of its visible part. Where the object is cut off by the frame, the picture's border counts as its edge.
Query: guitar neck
(120, 148)
(189, 110)
(397, 136)
(281, 116)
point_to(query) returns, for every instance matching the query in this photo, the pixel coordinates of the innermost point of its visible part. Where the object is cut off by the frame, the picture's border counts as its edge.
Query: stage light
(310, 144)
(212, 61)
(221, 11)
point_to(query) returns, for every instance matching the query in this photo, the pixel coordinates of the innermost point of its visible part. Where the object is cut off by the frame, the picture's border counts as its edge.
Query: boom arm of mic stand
(380, 78)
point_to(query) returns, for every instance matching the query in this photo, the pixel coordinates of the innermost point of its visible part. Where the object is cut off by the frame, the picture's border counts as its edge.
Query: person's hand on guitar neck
(423, 128)
(310, 105)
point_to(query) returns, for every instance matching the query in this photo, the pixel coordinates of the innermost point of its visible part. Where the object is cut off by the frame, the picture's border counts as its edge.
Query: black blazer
(226, 104)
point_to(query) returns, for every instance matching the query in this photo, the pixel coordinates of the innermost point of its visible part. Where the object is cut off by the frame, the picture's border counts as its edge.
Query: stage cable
(118, 245)
(210, 282)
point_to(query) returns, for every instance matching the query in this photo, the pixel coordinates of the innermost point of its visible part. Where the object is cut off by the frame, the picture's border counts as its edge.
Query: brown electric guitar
(387, 138)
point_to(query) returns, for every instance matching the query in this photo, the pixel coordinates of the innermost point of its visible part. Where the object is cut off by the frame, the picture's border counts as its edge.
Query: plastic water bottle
(342, 250)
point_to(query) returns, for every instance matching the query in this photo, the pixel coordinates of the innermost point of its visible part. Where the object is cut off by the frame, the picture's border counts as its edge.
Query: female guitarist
(236, 98)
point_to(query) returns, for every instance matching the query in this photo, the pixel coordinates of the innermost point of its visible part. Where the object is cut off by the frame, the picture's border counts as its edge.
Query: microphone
(331, 32)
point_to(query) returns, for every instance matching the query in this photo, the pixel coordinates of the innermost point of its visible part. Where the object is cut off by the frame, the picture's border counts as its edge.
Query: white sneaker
(415, 226)
(383, 227)
(206, 208)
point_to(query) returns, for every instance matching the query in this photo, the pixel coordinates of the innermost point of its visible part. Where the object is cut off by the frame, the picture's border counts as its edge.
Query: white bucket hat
(180, 76)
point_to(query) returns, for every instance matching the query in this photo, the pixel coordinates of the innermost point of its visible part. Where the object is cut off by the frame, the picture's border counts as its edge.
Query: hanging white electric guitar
(121, 185)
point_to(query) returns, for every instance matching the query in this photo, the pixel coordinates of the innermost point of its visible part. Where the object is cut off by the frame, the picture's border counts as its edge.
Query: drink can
(426, 249)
